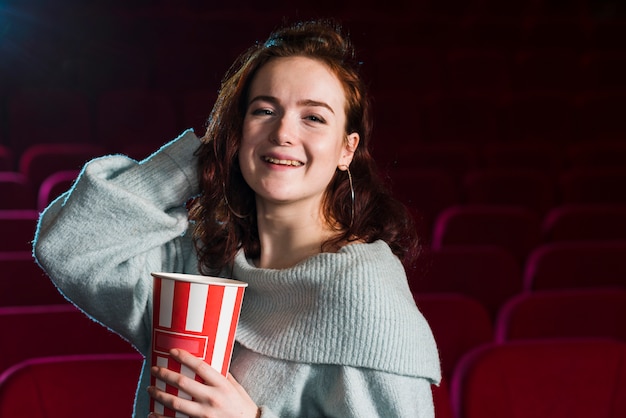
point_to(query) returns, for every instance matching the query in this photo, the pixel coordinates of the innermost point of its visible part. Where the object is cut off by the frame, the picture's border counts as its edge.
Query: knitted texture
(351, 308)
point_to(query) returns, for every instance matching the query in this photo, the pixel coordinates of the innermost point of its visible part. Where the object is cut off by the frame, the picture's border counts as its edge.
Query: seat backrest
(515, 229)
(563, 313)
(426, 192)
(62, 115)
(536, 155)
(580, 222)
(576, 265)
(459, 324)
(596, 153)
(527, 188)
(41, 161)
(16, 191)
(131, 116)
(593, 185)
(489, 275)
(542, 379)
(7, 162)
(71, 387)
(52, 330)
(17, 229)
(55, 185)
(23, 282)
(441, 400)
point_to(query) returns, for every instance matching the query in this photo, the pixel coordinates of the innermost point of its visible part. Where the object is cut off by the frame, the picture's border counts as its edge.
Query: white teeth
(283, 162)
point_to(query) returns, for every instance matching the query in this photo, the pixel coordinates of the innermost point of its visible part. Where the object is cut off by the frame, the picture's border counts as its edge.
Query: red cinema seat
(75, 386)
(512, 228)
(6, 158)
(17, 229)
(600, 115)
(585, 222)
(532, 155)
(593, 185)
(16, 191)
(38, 116)
(598, 154)
(541, 116)
(452, 157)
(527, 188)
(461, 117)
(563, 265)
(563, 313)
(542, 379)
(441, 401)
(426, 192)
(41, 161)
(53, 330)
(135, 119)
(459, 324)
(23, 282)
(54, 186)
(489, 275)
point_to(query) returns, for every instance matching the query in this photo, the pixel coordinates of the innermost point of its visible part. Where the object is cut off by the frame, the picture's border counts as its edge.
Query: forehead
(298, 77)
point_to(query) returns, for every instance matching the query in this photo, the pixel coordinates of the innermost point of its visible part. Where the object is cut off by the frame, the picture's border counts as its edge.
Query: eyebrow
(306, 102)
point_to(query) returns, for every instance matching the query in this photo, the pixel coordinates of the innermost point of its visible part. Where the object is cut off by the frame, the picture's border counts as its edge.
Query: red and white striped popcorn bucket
(195, 313)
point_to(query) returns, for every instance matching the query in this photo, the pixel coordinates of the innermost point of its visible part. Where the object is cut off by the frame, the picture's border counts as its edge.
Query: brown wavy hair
(225, 213)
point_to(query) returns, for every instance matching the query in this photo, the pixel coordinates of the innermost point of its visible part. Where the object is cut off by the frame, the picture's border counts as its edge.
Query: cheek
(244, 156)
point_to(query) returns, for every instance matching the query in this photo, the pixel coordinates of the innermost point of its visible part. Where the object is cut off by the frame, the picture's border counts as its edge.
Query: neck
(289, 237)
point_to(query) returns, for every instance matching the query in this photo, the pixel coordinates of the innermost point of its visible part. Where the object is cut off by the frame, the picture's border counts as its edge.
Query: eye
(262, 112)
(315, 118)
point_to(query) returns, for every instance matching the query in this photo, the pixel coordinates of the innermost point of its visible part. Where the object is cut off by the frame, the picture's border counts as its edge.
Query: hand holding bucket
(198, 314)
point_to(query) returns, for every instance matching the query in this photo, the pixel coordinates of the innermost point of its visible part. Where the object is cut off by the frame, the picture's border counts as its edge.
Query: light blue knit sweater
(337, 335)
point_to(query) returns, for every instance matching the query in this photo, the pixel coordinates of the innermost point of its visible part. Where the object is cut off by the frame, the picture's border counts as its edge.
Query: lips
(285, 162)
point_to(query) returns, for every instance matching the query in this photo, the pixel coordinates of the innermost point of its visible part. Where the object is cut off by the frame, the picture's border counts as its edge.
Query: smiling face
(294, 132)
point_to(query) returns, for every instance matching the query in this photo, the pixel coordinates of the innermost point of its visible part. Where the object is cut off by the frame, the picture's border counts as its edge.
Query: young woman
(284, 196)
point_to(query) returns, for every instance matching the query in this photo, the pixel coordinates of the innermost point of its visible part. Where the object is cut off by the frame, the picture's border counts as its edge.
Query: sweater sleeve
(121, 220)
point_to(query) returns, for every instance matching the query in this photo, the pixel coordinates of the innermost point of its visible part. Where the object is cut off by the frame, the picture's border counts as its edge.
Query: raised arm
(121, 220)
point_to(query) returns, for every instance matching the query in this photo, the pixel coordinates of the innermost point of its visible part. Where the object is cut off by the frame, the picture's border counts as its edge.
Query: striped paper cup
(198, 314)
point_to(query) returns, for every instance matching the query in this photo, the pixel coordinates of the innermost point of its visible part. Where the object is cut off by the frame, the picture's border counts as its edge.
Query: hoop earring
(229, 207)
(351, 194)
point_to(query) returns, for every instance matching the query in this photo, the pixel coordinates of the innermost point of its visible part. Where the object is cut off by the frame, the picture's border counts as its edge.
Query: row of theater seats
(487, 271)
(426, 176)
(539, 338)
(514, 228)
(529, 376)
(136, 119)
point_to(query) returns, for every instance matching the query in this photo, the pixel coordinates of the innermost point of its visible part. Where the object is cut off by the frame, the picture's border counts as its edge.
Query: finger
(170, 401)
(197, 365)
(187, 385)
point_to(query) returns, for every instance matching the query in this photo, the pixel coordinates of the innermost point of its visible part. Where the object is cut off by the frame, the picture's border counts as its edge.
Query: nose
(284, 132)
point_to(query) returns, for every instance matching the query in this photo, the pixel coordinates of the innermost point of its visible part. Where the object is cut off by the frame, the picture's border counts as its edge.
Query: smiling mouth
(276, 161)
